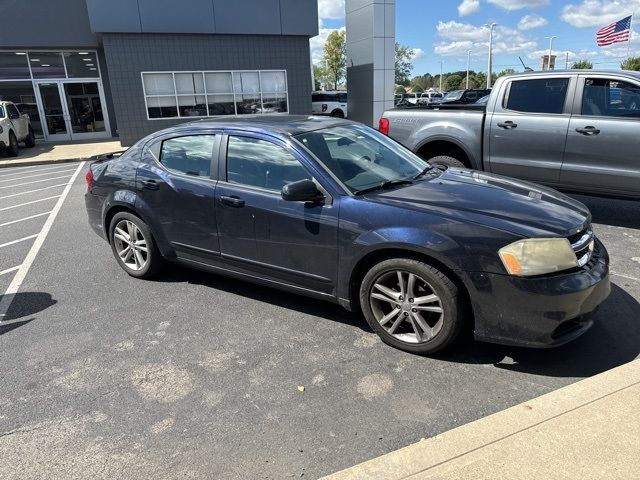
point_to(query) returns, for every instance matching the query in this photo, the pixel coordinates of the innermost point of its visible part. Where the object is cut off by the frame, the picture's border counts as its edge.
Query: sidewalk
(60, 152)
(587, 430)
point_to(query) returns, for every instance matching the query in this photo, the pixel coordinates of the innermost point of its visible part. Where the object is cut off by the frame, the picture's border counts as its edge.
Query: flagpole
(630, 34)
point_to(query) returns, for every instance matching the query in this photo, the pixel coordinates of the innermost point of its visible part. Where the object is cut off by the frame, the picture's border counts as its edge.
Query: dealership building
(89, 69)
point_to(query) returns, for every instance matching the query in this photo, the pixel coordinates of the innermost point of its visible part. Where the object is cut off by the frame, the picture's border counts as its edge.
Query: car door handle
(232, 201)
(150, 184)
(588, 130)
(507, 125)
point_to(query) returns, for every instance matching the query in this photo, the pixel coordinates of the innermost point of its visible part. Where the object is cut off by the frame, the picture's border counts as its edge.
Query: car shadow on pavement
(292, 301)
(25, 304)
(612, 211)
(613, 340)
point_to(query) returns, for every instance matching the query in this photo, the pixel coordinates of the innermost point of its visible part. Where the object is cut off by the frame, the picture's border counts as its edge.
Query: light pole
(468, 58)
(489, 67)
(440, 76)
(550, 46)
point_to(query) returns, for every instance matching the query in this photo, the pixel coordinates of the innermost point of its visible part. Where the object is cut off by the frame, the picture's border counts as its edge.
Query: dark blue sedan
(335, 210)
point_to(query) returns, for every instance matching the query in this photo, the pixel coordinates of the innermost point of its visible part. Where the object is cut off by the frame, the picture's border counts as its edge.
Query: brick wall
(129, 54)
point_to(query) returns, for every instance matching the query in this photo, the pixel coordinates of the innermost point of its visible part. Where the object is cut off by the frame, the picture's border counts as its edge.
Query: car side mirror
(302, 191)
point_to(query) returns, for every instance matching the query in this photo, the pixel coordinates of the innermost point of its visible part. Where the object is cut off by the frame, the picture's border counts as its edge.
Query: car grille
(583, 244)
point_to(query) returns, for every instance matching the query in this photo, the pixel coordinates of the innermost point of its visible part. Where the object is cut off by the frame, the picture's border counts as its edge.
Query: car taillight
(89, 179)
(383, 126)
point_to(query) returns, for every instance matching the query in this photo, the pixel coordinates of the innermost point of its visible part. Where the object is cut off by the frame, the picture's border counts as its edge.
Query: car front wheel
(13, 149)
(30, 141)
(133, 246)
(411, 305)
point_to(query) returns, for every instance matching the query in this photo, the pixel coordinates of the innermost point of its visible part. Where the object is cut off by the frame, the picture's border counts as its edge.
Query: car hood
(519, 207)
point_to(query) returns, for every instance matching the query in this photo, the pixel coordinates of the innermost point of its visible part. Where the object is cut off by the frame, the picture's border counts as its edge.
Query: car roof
(631, 73)
(281, 124)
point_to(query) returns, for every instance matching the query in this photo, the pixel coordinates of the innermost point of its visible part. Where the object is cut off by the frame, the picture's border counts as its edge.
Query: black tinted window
(610, 98)
(12, 110)
(544, 95)
(263, 164)
(342, 97)
(190, 155)
(317, 97)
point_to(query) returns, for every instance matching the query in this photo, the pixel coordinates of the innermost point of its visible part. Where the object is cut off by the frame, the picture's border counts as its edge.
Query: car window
(342, 97)
(610, 98)
(540, 95)
(259, 163)
(1, 112)
(190, 155)
(12, 110)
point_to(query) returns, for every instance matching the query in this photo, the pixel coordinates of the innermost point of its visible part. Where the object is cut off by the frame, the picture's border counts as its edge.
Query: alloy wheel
(131, 245)
(406, 306)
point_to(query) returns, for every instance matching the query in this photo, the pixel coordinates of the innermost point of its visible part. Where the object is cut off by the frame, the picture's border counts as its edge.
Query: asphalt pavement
(195, 375)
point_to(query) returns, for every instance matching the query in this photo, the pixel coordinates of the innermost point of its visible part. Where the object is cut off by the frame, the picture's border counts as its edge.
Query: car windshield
(455, 95)
(1, 112)
(360, 157)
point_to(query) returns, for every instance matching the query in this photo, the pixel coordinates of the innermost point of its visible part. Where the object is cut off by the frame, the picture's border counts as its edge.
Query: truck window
(540, 95)
(610, 98)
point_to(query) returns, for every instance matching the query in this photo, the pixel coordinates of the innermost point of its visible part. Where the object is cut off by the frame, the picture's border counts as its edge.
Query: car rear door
(291, 242)
(527, 131)
(176, 192)
(603, 145)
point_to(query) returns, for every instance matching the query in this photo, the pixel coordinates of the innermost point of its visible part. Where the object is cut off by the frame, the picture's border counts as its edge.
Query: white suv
(14, 128)
(329, 103)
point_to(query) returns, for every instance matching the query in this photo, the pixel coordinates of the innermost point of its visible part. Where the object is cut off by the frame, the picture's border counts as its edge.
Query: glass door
(54, 112)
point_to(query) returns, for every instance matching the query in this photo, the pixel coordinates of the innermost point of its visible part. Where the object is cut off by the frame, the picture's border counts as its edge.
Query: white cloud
(332, 9)
(417, 54)
(531, 21)
(317, 43)
(519, 4)
(597, 13)
(460, 37)
(467, 7)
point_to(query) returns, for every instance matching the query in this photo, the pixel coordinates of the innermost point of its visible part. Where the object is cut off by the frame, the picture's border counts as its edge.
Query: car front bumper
(545, 311)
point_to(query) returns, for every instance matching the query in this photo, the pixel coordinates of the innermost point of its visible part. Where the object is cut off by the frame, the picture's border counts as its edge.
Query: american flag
(614, 32)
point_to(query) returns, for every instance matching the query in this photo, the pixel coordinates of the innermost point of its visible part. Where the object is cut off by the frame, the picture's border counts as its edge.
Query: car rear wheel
(30, 141)
(337, 113)
(447, 161)
(411, 305)
(133, 246)
(13, 149)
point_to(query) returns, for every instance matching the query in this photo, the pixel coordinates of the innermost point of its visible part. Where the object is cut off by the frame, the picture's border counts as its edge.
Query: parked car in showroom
(335, 210)
(571, 130)
(332, 103)
(14, 128)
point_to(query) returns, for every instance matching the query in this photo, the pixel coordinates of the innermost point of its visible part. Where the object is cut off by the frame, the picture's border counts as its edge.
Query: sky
(445, 30)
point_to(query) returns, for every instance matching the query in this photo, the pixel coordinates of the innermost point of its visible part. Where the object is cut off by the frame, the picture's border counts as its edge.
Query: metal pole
(468, 58)
(630, 33)
(566, 62)
(440, 76)
(550, 46)
(489, 67)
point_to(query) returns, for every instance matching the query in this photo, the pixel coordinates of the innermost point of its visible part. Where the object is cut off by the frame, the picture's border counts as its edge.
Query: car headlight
(536, 256)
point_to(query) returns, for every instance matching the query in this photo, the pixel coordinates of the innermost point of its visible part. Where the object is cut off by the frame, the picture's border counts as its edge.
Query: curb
(457, 449)
(31, 163)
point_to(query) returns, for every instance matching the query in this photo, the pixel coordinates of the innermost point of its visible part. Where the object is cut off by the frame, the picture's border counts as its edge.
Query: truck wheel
(337, 113)
(13, 149)
(30, 141)
(447, 161)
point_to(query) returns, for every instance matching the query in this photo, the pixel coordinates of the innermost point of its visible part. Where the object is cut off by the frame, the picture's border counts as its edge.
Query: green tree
(419, 82)
(582, 65)
(403, 64)
(319, 76)
(480, 80)
(506, 71)
(453, 81)
(400, 89)
(631, 63)
(335, 56)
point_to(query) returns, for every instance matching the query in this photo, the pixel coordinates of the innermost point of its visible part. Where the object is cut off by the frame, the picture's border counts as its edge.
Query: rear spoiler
(103, 157)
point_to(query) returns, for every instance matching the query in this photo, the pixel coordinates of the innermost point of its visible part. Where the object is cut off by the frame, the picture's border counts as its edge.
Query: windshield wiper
(384, 185)
(426, 170)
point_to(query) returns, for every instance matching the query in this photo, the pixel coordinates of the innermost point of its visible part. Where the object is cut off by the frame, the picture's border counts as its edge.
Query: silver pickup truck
(576, 130)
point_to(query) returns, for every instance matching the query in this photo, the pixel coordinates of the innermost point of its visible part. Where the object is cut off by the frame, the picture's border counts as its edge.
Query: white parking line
(16, 283)
(25, 218)
(13, 242)
(9, 270)
(33, 191)
(30, 170)
(29, 203)
(34, 181)
(36, 175)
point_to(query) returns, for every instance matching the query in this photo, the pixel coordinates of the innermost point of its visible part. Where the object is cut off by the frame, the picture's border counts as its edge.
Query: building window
(209, 94)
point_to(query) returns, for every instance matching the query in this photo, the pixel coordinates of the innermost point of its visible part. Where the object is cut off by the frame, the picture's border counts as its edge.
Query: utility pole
(550, 46)
(468, 58)
(440, 76)
(489, 67)
(566, 62)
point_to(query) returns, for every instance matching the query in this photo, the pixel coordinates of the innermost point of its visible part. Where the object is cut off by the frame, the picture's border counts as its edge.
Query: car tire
(138, 264)
(446, 161)
(337, 113)
(433, 331)
(13, 150)
(30, 141)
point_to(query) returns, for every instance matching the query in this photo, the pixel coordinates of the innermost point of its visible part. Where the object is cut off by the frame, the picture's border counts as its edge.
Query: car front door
(603, 144)
(19, 124)
(177, 192)
(528, 128)
(290, 242)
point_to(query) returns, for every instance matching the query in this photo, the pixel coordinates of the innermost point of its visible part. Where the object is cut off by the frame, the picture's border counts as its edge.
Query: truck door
(603, 144)
(526, 134)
